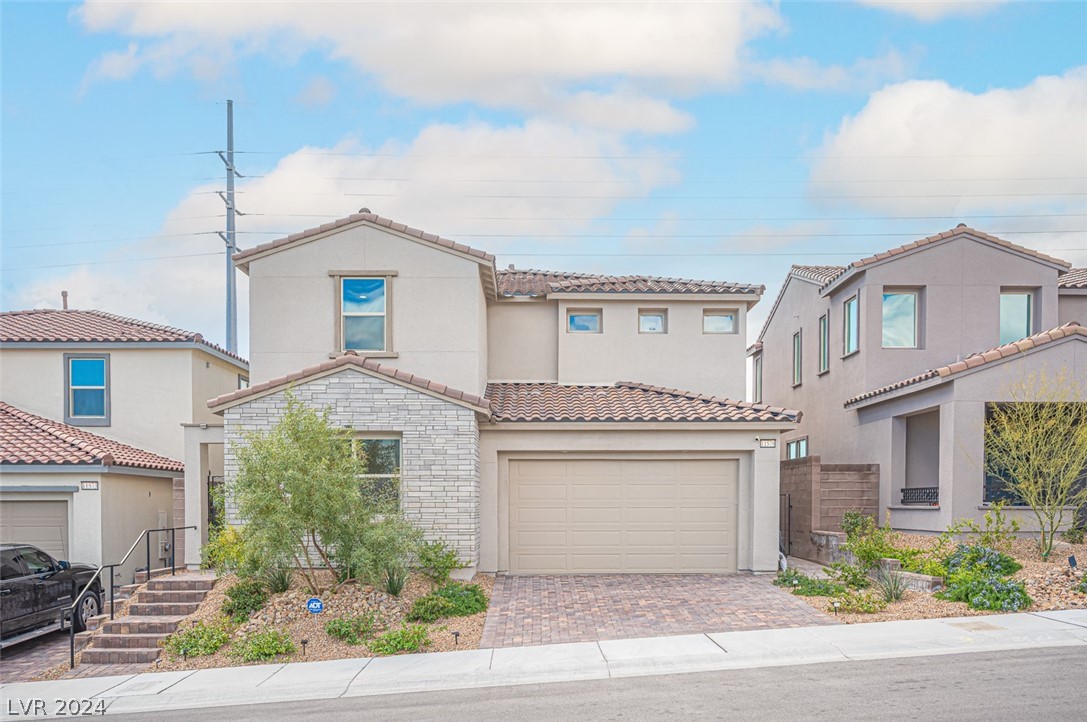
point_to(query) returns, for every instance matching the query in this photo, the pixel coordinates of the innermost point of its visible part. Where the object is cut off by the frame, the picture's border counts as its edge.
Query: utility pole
(228, 237)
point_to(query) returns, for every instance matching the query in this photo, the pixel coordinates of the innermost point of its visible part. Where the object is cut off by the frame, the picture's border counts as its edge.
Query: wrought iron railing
(921, 495)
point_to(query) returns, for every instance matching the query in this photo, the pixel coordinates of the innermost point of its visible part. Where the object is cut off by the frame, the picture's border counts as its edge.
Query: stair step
(128, 640)
(184, 596)
(142, 625)
(154, 609)
(132, 655)
(188, 582)
(128, 590)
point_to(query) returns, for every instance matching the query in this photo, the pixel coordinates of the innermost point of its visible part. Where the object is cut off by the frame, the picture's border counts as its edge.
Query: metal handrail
(145, 535)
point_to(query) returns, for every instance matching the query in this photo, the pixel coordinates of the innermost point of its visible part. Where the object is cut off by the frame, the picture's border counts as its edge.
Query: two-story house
(92, 415)
(895, 359)
(535, 419)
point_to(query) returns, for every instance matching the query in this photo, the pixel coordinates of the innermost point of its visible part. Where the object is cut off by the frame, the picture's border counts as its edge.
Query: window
(10, 568)
(1016, 310)
(243, 382)
(900, 319)
(363, 316)
(851, 328)
(796, 449)
(382, 465)
(715, 320)
(756, 380)
(798, 358)
(653, 321)
(87, 390)
(824, 343)
(583, 321)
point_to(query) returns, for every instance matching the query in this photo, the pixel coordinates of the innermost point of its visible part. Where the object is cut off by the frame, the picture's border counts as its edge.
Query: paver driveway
(23, 662)
(527, 610)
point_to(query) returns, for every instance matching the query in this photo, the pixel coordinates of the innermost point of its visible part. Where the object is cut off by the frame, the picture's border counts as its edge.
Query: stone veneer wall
(821, 493)
(439, 448)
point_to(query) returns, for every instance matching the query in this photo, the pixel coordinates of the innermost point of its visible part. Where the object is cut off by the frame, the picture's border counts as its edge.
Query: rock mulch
(1051, 585)
(287, 612)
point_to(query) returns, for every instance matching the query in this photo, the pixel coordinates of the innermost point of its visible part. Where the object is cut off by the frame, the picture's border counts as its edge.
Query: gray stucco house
(895, 359)
(540, 422)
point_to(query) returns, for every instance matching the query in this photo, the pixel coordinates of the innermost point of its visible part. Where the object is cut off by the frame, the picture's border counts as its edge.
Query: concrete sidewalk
(553, 663)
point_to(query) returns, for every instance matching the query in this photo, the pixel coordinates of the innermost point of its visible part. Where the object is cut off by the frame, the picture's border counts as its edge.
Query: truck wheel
(89, 606)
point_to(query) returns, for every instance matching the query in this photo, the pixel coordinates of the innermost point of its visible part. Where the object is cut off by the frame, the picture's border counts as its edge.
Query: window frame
(895, 291)
(1031, 303)
(662, 312)
(848, 323)
(362, 436)
(73, 420)
(756, 379)
(798, 358)
(344, 315)
(243, 381)
(598, 312)
(796, 444)
(733, 312)
(824, 343)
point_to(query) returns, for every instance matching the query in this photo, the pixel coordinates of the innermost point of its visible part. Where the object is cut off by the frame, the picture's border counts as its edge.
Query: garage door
(622, 515)
(41, 523)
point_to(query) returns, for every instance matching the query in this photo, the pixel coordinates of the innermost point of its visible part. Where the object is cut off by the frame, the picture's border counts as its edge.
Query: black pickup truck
(35, 589)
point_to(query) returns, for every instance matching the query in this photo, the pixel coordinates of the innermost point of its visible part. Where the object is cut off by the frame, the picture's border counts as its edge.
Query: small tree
(302, 493)
(1037, 443)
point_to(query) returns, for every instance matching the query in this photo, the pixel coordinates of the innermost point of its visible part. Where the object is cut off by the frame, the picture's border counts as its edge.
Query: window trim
(798, 358)
(756, 379)
(795, 444)
(662, 312)
(734, 312)
(855, 299)
(338, 277)
(243, 381)
(824, 343)
(896, 291)
(1032, 301)
(598, 312)
(360, 436)
(106, 418)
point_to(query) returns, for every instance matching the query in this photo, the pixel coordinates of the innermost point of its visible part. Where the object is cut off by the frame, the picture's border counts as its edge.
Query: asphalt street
(1037, 684)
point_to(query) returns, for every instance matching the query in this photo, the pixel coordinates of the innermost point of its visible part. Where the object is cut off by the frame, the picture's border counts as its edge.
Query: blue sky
(720, 141)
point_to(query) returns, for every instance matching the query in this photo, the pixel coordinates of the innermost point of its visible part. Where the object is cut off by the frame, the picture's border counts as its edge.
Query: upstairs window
(797, 449)
(584, 321)
(900, 319)
(824, 343)
(653, 321)
(756, 380)
(87, 392)
(363, 314)
(798, 358)
(1016, 315)
(851, 326)
(715, 320)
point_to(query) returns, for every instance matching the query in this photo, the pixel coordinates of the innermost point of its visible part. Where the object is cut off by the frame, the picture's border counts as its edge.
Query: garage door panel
(591, 490)
(635, 538)
(650, 563)
(43, 524)
(700, 492)
(593, 515)
(542, 491)
(538, 515)
(596, 538)
(646, 467)
(651, 492)
(590, 468)
(538, 467)
(541, 538)
(651, 514)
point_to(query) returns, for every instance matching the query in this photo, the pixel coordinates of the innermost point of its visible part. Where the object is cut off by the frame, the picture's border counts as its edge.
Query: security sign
(315, 605)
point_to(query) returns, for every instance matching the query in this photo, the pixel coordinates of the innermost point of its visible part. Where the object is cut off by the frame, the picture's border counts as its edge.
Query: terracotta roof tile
(1075, 278)
(533, 283)
(625, 401)
(819, 274)
(29, 439)
(951, 233)
(51, 325)
(351, 359)
(978, 359)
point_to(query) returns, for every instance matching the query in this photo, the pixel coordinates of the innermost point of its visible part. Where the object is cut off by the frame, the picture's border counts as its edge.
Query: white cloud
(499, 54)
(932, 10)
(926, 147)
(114, 66)
(317, 92)
(808, 74)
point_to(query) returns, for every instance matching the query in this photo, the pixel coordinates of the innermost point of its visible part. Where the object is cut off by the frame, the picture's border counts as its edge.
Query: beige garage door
(41, 523)
(622, 515)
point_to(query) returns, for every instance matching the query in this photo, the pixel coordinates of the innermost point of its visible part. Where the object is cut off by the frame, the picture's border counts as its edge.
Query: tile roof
(1075, 278)
(29, 439)
(534, 283)
(625, 401)
(353, 360)
(52, 325)
(819, 274)
(371, 218)
(978, 359)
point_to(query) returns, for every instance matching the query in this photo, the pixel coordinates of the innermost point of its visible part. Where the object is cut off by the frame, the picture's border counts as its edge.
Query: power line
(119, 260)
(114, 240)
(684, 182)
(772, 219)
(664, 155)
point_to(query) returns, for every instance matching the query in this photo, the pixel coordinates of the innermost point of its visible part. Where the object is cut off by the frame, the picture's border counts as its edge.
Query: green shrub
(850, 575)
(278, 579)
(395, 578)
(467, 599)
(225, 552)
(353, 630)
(859, 603)
(1073, 535)
(262, 646)
(437, 560)
(200, 639)
(855, 522)
(892, 585)
(929, 564)
(409, 638)
(980, 589)
(1082, 588)
(430, 608)
(243, 599)
(997, 532)
(804, 586)
(982, 559)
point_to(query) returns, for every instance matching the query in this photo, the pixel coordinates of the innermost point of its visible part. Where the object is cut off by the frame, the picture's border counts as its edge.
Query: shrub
(467, 599)
(929, 564)
(200, 639)
(982, 559)
(1082, 588)
(278, 579)
(243, 599)
(997, 532)
(395, 578)
(892, 585)
(1074, 534)
(383, 551)
(850, 575)
(353, 630)
(869, 543)
(430, 608)
(225, 552)
(983, 590)
(859, 603)
(855, 522)
(262, 646)
(804, 586)
(409, 638)
(437, 560)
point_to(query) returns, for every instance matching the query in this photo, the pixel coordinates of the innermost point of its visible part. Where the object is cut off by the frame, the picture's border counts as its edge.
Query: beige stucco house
(540, 422)
(895, 358)
(96, 406)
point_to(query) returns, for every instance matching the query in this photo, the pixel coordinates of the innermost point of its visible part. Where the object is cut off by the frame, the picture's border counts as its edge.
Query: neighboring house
(895, 358)
(533, 417)
(127, 381)
(80, 496)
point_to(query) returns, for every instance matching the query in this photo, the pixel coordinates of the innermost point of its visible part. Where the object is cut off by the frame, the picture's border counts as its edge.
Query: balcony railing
(921, 495)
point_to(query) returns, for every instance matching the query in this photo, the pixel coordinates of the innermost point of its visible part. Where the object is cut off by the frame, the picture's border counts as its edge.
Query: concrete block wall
(439, 484)
(820, 495)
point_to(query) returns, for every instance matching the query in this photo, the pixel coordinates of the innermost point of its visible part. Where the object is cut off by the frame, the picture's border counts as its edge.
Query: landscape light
(304, 643)
(456, 639)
